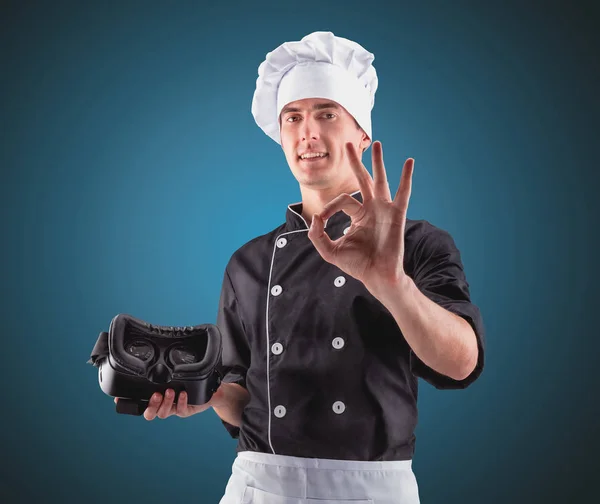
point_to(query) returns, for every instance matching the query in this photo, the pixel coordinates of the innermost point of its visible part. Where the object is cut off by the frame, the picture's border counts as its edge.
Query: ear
(365, 141)
(280, 136)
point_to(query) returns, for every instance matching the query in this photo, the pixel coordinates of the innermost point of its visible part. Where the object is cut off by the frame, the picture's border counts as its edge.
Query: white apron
(264, 478)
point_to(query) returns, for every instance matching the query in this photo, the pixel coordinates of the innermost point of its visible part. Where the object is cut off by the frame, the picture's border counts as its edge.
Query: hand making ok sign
(373, 249)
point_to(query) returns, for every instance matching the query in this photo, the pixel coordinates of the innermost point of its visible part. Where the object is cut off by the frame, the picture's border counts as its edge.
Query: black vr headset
(136, 359)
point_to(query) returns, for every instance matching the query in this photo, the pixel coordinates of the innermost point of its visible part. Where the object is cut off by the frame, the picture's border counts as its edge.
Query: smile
(312, 157)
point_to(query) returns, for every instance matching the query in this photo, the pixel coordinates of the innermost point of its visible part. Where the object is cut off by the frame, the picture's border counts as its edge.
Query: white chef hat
(320, 65)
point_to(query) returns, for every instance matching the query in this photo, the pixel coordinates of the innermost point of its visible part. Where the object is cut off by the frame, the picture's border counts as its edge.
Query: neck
(314, 200)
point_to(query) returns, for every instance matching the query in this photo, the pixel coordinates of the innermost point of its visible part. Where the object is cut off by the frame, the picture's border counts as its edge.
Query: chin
(313, 175)
(317, 182)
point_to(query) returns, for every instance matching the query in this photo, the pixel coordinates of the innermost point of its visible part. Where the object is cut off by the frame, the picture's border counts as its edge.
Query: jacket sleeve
(439, 275)
(236, 351)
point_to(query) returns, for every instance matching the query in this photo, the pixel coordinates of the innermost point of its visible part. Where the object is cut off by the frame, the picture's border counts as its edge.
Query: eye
(291, 117)
(329, 114)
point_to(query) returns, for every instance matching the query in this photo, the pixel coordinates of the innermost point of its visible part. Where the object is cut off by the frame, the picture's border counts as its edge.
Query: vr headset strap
(100, 349)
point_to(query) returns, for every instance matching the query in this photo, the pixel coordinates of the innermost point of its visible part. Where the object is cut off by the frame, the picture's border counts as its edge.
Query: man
(328, 320)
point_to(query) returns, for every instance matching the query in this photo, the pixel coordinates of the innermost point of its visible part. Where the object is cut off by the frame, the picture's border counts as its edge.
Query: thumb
(320, 240)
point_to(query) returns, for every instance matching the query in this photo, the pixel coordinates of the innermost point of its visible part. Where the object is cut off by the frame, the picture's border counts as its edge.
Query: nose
(310, 129)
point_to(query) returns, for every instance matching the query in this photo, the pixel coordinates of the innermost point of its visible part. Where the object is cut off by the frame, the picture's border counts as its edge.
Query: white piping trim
(267, 328)
(267, 312)
(303, 220)
(294, 211)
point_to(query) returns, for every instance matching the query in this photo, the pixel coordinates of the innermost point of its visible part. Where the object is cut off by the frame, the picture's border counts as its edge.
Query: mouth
(313, 158)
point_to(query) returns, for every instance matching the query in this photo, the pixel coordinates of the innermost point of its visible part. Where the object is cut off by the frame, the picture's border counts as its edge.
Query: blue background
(132, 169)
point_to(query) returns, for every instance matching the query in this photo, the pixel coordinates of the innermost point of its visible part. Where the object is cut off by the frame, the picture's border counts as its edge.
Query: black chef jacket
(328, 370)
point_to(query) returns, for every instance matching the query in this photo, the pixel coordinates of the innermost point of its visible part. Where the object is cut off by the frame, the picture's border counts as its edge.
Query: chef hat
(320, 65)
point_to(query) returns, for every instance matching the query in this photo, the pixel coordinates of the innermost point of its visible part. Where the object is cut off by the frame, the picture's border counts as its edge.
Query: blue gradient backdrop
(132, 169)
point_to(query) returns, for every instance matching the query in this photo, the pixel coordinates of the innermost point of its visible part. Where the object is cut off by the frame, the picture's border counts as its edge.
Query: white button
(339, 281)
(282, 242)
(276, 290)
(339, 407)
(337, 343)
(280, 411)
(277, 348)
(346, 230)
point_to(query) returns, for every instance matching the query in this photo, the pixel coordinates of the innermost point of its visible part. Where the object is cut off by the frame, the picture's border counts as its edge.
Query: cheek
(286, 144)
(290, 156)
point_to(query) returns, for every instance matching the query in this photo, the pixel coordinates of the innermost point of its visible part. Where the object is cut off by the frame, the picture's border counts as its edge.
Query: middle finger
(362, 174)
(182, 404)
(382, 189)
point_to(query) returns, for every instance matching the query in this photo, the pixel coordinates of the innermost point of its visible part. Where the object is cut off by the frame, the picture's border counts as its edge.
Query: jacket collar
(294, 220)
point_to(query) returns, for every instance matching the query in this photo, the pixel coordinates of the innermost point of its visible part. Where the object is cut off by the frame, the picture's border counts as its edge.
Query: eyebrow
(317, 106)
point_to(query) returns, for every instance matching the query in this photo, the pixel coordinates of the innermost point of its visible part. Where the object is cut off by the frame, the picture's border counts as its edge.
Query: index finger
(152, 409)
(362, 174)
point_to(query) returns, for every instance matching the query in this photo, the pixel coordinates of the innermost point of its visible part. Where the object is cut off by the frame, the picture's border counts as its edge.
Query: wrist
(229, 402)
(217, 401)
(390, 289)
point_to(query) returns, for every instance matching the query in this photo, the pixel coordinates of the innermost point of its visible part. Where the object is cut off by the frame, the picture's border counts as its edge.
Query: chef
(329, 319)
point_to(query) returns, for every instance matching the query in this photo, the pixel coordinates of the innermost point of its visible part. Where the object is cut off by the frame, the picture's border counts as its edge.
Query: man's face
(315, 125)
